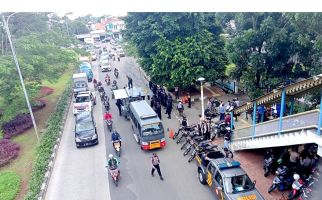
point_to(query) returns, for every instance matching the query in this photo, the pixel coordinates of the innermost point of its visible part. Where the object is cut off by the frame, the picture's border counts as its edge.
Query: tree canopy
(42, 55)
(176, 48)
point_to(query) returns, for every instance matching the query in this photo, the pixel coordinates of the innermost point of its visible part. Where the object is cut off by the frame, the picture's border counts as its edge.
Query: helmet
(296, 177)
(110, 156)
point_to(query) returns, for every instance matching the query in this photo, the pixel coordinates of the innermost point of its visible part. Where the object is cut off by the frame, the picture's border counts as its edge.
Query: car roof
(228, 167)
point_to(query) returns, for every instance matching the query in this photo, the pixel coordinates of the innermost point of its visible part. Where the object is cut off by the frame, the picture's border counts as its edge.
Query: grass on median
(28, 141)
(9, 185)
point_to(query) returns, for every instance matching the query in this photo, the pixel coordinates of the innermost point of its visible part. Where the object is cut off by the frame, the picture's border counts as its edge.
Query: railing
(292, 122)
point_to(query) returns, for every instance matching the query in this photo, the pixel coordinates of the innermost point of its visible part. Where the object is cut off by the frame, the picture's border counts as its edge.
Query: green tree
(175, 48)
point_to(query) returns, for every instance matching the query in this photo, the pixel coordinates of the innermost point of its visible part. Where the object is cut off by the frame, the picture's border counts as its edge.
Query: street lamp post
(201, 79)
(19, 72)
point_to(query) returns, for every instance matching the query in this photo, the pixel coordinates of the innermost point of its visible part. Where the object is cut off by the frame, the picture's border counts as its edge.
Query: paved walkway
(251, 160)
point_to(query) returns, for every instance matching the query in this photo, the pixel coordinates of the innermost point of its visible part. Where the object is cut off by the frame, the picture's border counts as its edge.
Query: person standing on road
(129, 82)
(119, 106)
(169, 108)
(158, 110)
(156, 165)
(180, 108)
(176, 91)
(222, 111)
(189, 100)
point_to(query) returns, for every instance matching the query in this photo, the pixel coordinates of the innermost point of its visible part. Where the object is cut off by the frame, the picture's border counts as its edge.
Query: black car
(85, 130)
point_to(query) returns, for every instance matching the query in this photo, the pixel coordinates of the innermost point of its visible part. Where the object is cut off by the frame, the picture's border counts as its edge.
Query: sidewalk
(251, 160)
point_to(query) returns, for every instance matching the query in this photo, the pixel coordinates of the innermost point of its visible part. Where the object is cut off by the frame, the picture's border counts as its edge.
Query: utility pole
(20, 75)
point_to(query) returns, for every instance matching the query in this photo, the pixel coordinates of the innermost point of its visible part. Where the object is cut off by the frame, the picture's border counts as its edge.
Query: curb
(44, 185)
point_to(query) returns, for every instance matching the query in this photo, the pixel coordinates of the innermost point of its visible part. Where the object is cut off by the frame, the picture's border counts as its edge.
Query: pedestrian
(150, 84)
(158, 110)
(156, 165)
(228, 153)
(176, 91)
(227, 138)
(205, 130)
(227, 119)
(129, 82)
(119, 106)
(169, 109)
(118, 58)
(222, 111)
(189, 100)
(180, 108)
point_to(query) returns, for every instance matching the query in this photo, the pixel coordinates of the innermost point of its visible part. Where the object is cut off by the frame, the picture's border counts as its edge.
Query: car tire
(201, 177)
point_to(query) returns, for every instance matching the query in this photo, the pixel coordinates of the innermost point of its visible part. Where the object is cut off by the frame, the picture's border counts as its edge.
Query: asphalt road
(80, 174)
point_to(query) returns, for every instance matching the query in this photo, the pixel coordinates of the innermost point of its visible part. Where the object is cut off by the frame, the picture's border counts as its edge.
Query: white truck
(84, 101)
(80, 83)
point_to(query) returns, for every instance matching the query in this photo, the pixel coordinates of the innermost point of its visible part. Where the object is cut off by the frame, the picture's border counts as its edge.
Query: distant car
(93, 56)
(84, 101)
(104, 54)
(105, 40)
(97, 46)
(106, 67)
(120, 53)
(85, 130)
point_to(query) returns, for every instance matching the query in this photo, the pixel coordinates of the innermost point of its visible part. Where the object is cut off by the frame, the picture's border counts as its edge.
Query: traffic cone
(171, 134)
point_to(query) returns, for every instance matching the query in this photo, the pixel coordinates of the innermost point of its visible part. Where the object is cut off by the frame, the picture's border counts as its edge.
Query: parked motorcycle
(194, 141)
(269, 162)
(219, 129)
(205, 146)
(117, 147)
(297, 187)
(282, 180)
(109, 124)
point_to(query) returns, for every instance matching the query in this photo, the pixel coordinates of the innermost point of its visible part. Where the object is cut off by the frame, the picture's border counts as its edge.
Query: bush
(18, 125)
(45, 148)
(8, 151)
(39, 104)
(9, 185)
(45, 91)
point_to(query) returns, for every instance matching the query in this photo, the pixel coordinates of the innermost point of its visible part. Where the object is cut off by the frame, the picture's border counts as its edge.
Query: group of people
(160, 98)
(225, 109)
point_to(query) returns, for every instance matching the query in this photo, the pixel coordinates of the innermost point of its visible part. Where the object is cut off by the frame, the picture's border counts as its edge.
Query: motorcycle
(297, 187)
(117, 147)
(184, 128)
(205, 146)
(108, 81)
(109, 124)
(219, 129)
(282, 181)
(188, 136)
(116, 74)
(268, 164)
(106, 104)
(115, 174)
(193, 143)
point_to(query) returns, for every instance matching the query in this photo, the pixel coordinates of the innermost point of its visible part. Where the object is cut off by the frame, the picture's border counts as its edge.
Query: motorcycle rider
(115, 136)
(112, 162)
(107, 79)
(107, 116)
(116, 72)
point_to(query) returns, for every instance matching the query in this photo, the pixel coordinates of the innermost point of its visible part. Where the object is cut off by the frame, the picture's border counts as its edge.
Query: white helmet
(110, 156)
(296, 177)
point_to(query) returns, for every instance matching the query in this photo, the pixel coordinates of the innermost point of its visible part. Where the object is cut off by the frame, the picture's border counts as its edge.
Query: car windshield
(82, 99)
(239, 184)
(84, 126)
(151, 129)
